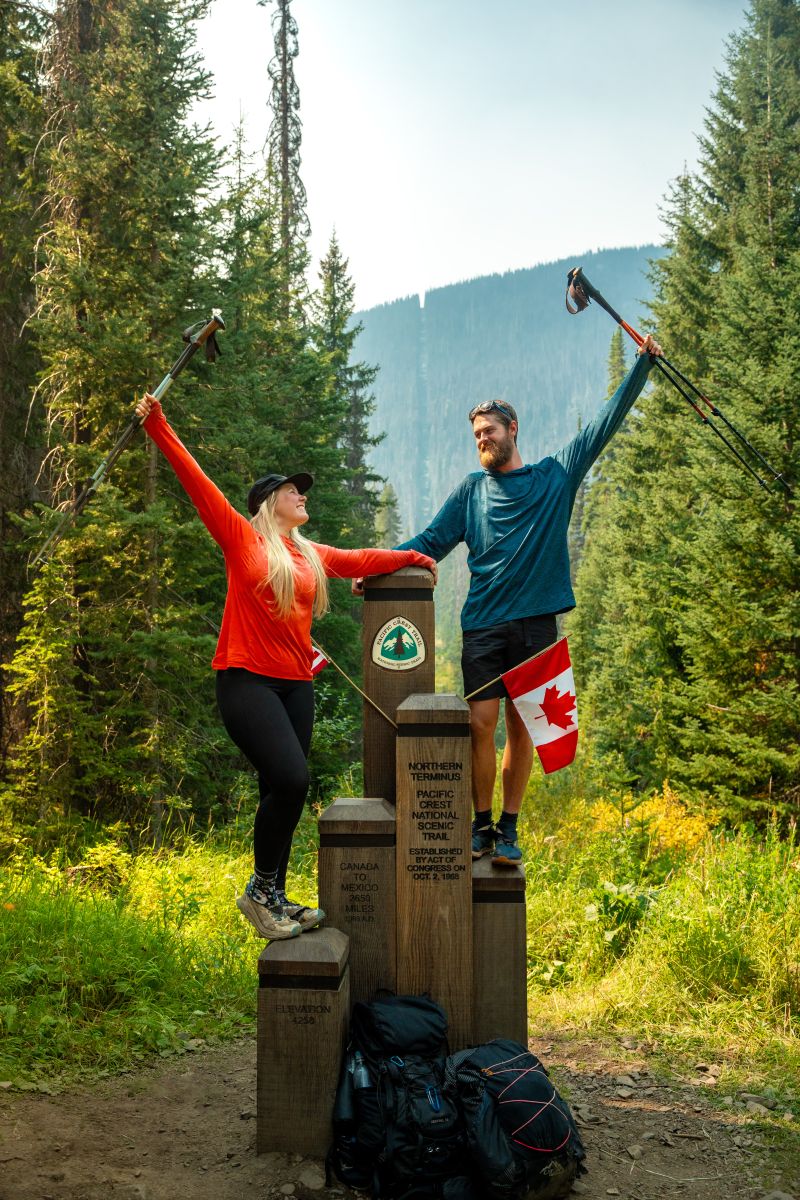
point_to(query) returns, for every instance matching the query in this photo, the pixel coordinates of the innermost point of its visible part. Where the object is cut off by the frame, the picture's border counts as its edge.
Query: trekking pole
(581, 292)
(201, 334)
(353, 684)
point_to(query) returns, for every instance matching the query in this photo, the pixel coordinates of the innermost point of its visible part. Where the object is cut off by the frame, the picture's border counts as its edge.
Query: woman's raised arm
(227, 527)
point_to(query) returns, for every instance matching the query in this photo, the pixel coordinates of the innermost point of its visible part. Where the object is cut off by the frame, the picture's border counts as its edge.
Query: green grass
(661, 927)
(115, 958)
(643, 919)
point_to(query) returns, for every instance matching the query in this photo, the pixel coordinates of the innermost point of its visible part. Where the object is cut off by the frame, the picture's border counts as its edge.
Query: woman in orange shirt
(277, 581)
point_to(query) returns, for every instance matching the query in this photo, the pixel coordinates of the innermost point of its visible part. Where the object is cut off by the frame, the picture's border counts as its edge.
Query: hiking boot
(506, 851)
(265, 913)
(306, 917)
(482, 839)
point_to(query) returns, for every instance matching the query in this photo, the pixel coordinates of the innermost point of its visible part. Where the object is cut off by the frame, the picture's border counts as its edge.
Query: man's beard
(496, 454)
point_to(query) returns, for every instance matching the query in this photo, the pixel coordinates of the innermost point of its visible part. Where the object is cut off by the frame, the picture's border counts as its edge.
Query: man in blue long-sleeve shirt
(514, 518)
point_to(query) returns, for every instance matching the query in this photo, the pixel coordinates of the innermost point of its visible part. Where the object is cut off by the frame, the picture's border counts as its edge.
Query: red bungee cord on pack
(581, 292)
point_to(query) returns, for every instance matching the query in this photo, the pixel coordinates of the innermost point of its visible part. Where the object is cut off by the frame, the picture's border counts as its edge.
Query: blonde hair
(280, 575)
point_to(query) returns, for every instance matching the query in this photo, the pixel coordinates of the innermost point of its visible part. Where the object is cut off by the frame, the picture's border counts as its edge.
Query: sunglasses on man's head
(488, 406)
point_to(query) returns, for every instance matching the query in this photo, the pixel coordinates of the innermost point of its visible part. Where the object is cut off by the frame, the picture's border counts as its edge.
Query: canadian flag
(543, 690)
(318, 661)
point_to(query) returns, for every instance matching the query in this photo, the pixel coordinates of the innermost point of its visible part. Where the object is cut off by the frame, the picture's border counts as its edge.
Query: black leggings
(271, 720)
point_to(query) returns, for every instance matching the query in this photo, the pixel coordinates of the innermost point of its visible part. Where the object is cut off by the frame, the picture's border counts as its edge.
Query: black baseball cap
(268, 483)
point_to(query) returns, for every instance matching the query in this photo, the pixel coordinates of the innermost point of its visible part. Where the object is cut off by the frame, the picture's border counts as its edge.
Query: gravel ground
(186, 1129)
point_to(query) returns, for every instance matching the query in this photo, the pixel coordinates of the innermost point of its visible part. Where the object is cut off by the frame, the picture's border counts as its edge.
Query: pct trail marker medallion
(398, 645)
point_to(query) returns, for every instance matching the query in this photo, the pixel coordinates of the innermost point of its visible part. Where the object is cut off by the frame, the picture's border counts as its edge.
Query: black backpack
(397, 1126)
(521, 1135)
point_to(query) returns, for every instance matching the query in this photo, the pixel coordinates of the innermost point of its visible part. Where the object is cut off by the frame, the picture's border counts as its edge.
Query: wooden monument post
(357, 887)
(500, 1004)
(303, 1015)
(434, 877)
(399, 659)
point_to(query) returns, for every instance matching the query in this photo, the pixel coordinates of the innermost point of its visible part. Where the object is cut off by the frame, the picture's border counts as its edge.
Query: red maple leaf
(557, 708)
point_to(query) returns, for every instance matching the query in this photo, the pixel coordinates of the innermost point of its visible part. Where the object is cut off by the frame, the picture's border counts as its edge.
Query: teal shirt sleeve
(578, 456)
(446, 529)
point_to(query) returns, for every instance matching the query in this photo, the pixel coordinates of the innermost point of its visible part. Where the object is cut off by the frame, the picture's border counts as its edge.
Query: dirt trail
(185, 1130)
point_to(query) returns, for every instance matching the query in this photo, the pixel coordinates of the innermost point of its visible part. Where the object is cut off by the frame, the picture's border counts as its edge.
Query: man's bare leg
(483, 715)
(517, 760)
(517, 763)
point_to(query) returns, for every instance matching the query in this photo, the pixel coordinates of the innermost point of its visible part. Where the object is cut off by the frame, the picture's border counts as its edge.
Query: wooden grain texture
(357, 888)
(434, 879)
(321, 952)
(302, 1029)
(500, 1006)
(389, 688)
(301, 1038)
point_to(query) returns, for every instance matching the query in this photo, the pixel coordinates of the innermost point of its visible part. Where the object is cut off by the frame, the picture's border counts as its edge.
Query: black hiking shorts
(487, 653)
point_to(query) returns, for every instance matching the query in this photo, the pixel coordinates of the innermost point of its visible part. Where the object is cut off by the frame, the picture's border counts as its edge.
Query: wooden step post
(357, 887)
(303, 1014)
(499, 952)
(399, 658)
(434, 880)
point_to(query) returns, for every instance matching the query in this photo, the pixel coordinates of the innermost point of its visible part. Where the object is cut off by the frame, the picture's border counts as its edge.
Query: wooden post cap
(399, 585)
(360, 818)
(433, 715)
(497, 885)
(313, 960)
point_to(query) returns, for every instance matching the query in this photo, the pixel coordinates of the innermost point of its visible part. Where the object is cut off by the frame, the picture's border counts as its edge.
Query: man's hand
(650, 346)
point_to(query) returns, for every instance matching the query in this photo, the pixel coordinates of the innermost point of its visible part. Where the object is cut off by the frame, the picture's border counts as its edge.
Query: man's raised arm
(578, 456)
(443, 534)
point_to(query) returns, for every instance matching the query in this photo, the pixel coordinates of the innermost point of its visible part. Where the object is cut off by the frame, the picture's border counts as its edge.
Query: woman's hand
(145, 404)
(357, 586)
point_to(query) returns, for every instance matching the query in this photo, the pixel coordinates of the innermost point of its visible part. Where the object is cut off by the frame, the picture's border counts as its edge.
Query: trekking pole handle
(201, 334)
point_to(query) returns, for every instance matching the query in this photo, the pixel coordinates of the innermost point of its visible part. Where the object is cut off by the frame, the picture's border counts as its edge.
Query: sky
(447, 139)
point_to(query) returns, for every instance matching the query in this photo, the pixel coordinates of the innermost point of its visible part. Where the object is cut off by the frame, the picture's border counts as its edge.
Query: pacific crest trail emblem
(398, 645)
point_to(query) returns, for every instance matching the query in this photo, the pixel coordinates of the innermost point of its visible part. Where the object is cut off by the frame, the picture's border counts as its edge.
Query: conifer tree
(21, 118)
(581, 514)
(737, 716)
(335, 335)
(285, 132)
(349, 403)
(387, 519)
(592, 491)
(588, 529)
(111, 668)
(692, 671)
